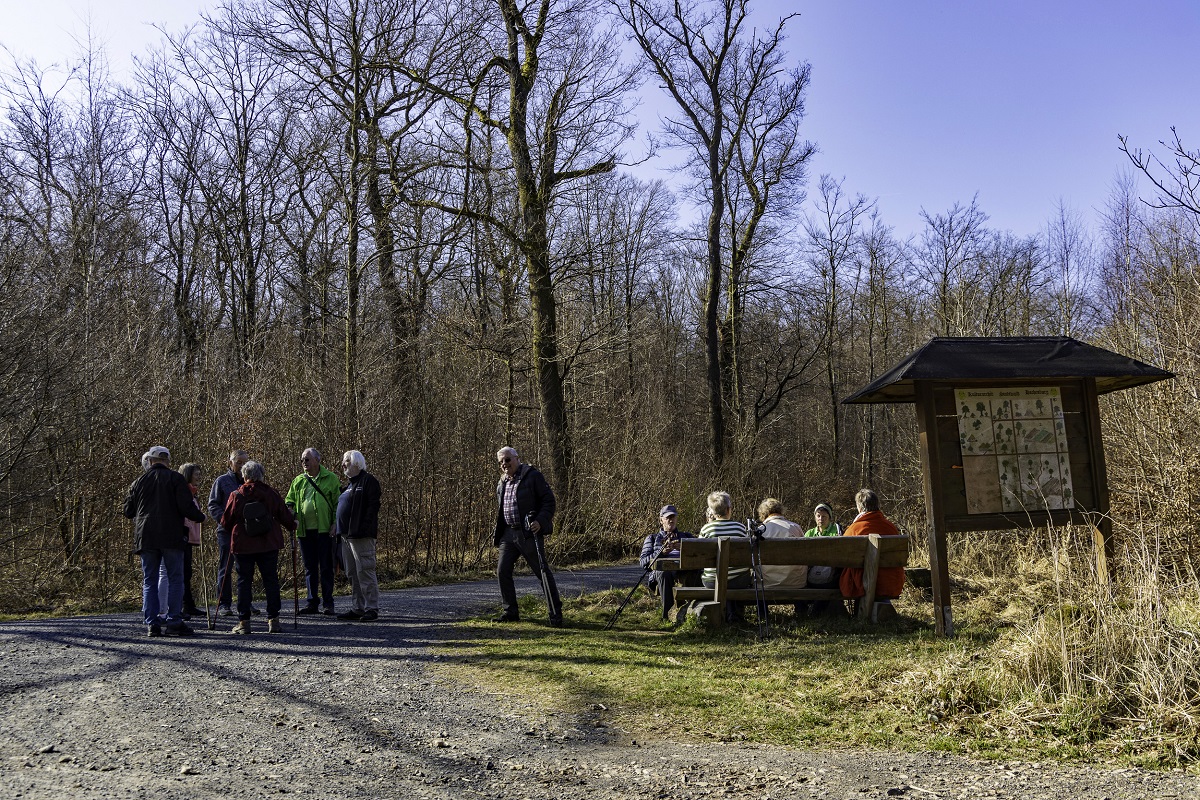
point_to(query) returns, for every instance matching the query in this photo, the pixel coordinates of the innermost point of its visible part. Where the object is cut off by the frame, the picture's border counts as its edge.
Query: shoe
(308, 610)
(328, 611)
(153, 631)
(185, 616)
(241, 627)
(369, 616)
(273, 625)
(255, 611)
(178, 630)
(506, 617)
(224, 611)
(192, 611)
(350, 615)
(556, 622)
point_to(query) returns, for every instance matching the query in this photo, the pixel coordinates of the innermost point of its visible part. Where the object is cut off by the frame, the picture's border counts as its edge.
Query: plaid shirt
(512, 517)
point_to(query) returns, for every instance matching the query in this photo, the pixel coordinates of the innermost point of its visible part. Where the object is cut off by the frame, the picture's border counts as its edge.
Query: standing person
(313, 498)
(661, 543)
(158, 502)
(722, 524)
(226, 484)
(870, 519)
(358, 528)
(823, 577)
(253, 516)
(524, 517)
(190, 473)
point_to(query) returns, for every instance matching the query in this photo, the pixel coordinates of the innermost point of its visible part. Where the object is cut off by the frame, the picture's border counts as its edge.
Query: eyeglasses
(504, 460)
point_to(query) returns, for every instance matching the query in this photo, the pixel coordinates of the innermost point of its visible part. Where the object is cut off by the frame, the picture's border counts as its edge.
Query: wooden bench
(869, 553)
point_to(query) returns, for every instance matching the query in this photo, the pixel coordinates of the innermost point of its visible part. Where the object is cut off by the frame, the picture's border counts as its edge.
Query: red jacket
(232, 519)
(891, 579)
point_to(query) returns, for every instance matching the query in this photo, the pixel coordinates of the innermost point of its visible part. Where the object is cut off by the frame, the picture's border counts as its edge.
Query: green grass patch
(812, 683)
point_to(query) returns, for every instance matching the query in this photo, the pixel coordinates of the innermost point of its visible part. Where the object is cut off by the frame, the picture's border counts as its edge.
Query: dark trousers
(268, 569)
(667, 582)
(734, 611)
(317, 551)
(224, 578)
(514, 544)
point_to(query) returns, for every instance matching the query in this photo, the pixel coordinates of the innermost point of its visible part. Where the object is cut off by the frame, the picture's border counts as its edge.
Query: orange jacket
(891, 579)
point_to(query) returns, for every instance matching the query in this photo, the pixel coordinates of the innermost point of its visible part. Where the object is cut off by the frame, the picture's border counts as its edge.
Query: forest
(419, 230)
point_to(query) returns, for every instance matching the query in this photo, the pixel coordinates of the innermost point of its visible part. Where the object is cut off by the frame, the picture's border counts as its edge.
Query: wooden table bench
(869, 553)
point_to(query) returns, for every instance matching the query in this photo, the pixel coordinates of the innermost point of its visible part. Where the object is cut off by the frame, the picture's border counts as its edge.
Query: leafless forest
(417, 229)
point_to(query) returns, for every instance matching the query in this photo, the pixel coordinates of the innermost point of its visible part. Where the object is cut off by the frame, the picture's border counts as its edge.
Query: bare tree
(740, 109)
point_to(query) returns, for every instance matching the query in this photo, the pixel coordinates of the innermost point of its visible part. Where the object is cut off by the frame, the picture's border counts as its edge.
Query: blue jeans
(317, 551)
(224, 579)
(152, 562)
(268, 568)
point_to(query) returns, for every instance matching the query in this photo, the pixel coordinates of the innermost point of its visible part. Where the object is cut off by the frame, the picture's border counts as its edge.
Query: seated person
(722, 524)
(776, 526)
(871, 520)
(822, 577)
(665, 542)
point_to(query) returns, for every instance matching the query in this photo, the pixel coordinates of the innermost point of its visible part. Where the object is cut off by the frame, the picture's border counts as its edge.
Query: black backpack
(256, 518)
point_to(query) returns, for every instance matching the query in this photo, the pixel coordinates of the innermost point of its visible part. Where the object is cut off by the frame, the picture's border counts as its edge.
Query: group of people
(337, 525)
(720, 523)
(332, 523)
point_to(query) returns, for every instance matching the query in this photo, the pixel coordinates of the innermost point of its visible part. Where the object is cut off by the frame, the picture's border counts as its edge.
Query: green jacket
(833, 530)
(313, 509)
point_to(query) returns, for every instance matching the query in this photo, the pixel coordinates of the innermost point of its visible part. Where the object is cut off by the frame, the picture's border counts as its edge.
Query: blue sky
(919, 103)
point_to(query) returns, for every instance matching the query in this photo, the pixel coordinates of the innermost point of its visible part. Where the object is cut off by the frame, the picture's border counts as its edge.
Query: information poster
(1014, 449)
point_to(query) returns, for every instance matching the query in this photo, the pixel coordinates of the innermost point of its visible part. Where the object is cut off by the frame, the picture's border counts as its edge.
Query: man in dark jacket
(226, 484)
(158, 502)
(357, 529)
(524, 517)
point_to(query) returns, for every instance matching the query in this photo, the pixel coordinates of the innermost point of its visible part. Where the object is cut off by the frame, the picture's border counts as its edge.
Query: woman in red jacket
(254, 515)
(871, 520)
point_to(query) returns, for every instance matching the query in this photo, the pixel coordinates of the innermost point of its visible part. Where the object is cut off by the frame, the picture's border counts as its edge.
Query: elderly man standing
(158, 502)
(313, 497)
(358, 528)
(222, 487)
(525, 516)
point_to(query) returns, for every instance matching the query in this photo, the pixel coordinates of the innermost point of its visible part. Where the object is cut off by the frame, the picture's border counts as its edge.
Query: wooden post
(870, 577)
(939, 568)
(1101, 530)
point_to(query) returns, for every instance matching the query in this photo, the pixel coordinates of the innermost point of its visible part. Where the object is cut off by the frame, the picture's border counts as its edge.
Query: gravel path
(91, 709)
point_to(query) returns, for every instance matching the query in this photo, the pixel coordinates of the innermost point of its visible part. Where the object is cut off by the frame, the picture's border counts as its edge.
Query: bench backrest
(832, 551)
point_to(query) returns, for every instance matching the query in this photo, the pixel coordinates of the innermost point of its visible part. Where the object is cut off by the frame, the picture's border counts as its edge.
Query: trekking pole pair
(755, 530)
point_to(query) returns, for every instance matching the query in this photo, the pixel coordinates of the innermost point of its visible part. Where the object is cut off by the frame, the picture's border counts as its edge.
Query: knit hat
(826, 507)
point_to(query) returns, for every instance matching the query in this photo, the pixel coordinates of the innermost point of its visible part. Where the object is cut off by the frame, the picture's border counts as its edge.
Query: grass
(1029, 675)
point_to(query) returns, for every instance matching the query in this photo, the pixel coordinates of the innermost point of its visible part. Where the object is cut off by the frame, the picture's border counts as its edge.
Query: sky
(919, 104)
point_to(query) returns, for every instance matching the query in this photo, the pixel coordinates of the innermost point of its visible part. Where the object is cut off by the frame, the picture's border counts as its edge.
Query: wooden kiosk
(1010, 437)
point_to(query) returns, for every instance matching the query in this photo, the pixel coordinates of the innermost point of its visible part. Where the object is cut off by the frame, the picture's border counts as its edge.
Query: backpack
(256, 518)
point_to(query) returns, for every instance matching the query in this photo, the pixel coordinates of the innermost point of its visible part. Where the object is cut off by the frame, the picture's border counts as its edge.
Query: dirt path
(91, 709)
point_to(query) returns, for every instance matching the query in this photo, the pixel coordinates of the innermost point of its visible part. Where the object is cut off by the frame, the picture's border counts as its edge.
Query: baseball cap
(668, 510)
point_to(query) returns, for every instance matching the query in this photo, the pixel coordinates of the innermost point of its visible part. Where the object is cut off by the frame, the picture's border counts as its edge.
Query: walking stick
(755, 531)
(613, 620)
(553, 608)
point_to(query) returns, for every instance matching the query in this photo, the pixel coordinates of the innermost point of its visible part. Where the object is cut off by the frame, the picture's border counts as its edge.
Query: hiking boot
(369, 616)
(556, 622)
(308, 610)
(178, 630)
(192, 611)
(328, 611)
(224, 611)
(153, 631)
(350, 615)
(273, 625)
(242, 627)
(255, 612)
(506, 617)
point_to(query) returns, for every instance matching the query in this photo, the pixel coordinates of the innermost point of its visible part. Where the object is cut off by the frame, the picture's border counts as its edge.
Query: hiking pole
(755, 530)
(613, 620)
(204, 580)
(553, 608)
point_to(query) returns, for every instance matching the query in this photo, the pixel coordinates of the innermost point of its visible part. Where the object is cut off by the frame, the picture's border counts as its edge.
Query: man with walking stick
(524, 517)
(313, 498)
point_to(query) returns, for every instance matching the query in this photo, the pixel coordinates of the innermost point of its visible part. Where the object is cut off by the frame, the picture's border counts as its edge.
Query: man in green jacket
(312, 497)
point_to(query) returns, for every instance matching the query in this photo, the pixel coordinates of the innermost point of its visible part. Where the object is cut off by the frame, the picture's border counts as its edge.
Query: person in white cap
(158, 502)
